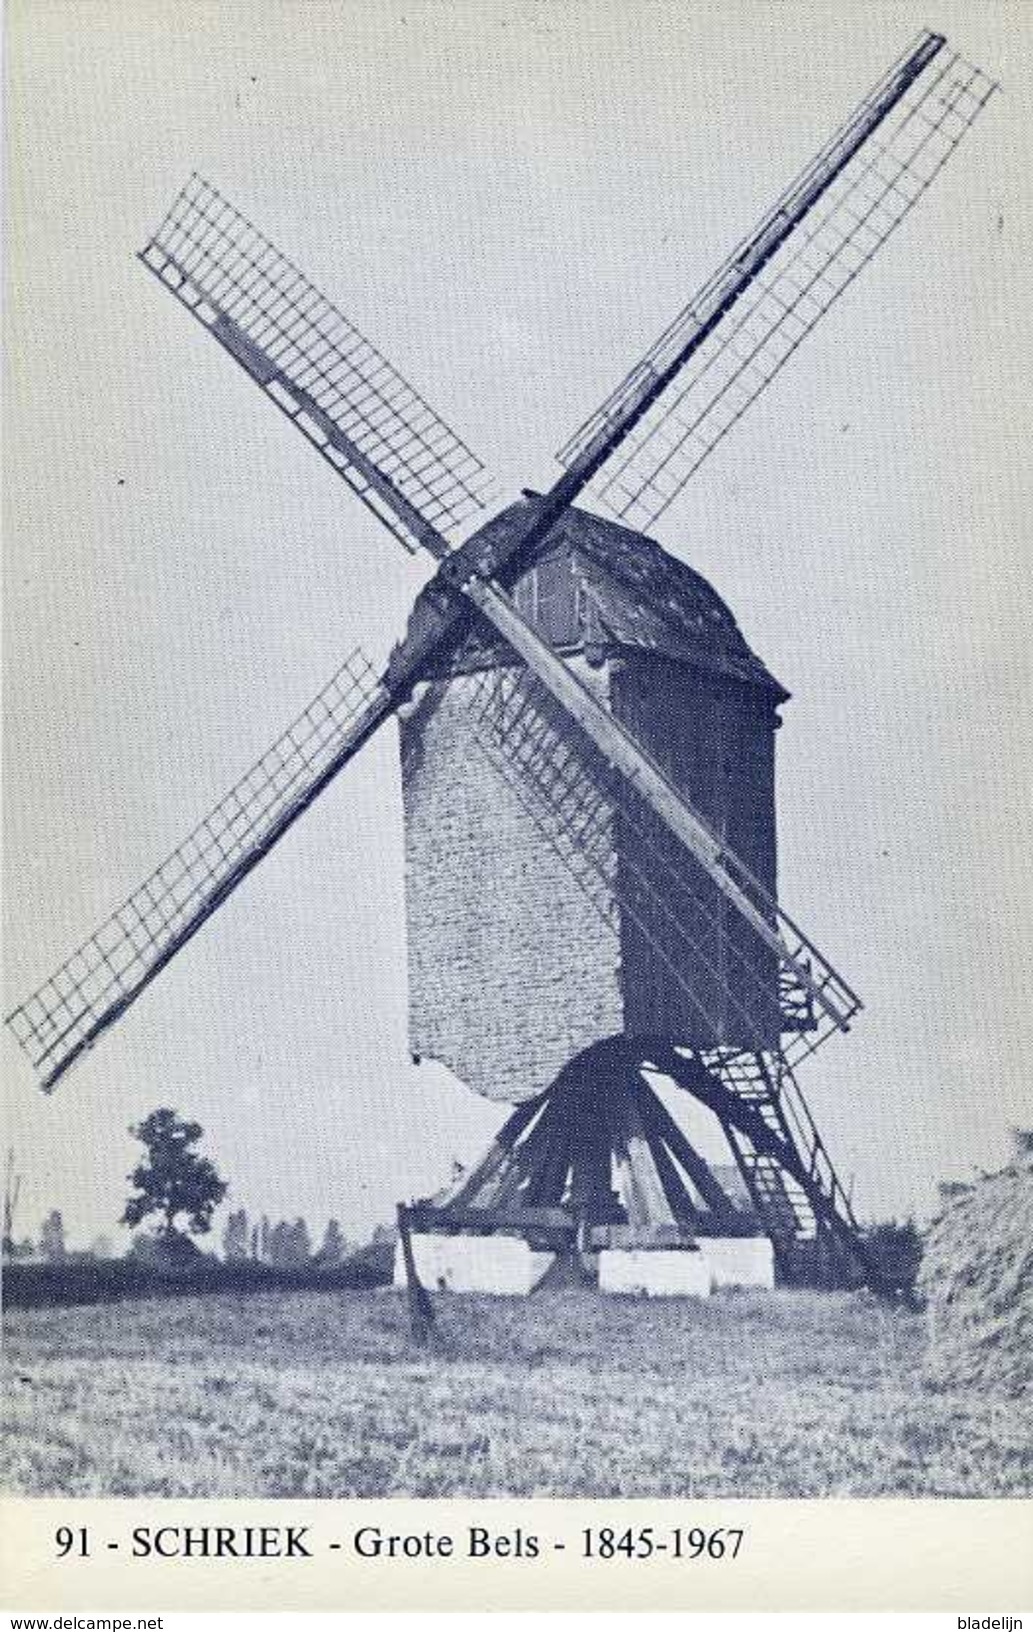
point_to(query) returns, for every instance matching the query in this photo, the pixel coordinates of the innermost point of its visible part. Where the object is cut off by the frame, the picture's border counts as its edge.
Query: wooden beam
(652, 1196)
(662, 1124)
(485, 1220)
(680, 1202)
(552, 1157)
(497, 1153)
(592, 1164)
(421, 1307)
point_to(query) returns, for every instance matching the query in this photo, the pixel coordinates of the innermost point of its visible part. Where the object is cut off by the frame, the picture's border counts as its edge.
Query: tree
(278, 1246)
(301, 1242)
(289, 1245)
(52, 1238)
(235, 1238)
(172, 1178)
(333, 1250)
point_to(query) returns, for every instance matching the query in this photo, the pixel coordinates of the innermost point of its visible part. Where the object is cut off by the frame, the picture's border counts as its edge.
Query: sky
(511, 201)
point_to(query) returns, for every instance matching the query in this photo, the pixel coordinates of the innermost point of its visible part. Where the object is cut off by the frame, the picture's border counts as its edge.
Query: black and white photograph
(517, 760)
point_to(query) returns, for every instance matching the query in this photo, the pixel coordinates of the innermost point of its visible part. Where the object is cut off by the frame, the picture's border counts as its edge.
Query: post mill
(602, 914)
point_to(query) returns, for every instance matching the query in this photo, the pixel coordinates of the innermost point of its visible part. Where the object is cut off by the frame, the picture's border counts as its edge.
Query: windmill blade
(376, 431)
(640, 448)
(96, 985)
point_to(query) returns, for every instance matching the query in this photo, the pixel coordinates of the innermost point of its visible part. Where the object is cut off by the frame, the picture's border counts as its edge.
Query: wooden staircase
(792, 1182)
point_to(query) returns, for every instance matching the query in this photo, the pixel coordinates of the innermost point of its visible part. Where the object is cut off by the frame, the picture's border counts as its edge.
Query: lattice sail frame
(788, 294)
(107, 972)
(359, 412)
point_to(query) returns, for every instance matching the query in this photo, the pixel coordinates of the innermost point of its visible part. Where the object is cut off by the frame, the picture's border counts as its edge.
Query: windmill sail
(376, 431)
(654, 431)
(109, 971)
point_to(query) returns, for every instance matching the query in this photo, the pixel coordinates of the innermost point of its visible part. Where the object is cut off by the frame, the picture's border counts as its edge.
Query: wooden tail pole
(421, 1306)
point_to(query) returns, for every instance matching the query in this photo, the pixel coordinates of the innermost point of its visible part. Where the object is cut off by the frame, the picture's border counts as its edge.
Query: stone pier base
(654, 1272)
(747, 1260)
(503, 1264)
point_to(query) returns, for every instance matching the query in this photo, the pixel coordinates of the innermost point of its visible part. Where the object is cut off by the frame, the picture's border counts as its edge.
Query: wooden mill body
(512, 970)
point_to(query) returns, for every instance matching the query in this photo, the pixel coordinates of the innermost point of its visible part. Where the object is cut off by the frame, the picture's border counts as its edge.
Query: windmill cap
(643, 599)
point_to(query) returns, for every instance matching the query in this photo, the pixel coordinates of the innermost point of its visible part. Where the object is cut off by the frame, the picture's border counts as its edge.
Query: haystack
(977, 1279)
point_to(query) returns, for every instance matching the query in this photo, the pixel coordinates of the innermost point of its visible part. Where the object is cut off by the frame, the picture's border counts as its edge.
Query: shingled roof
(649, 599)
(641, 598)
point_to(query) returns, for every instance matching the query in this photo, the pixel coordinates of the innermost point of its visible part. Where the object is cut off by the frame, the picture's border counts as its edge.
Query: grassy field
(323, 1394)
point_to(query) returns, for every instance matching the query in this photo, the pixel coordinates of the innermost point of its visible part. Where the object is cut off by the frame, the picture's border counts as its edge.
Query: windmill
(747, 994)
